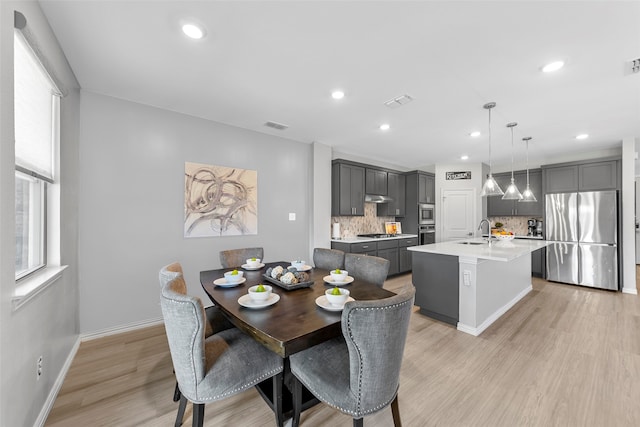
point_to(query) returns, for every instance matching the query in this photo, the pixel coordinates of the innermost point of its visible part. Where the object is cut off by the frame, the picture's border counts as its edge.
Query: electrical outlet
(39, 368)
(292, 216)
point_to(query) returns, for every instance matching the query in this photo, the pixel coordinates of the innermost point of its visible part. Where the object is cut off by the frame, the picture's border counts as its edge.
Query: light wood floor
(563, 356)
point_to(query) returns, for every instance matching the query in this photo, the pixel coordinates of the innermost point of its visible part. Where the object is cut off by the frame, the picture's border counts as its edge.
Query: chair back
(184, 321)
(369, 268)
(328, 259)
(375, 332)
(237, 257)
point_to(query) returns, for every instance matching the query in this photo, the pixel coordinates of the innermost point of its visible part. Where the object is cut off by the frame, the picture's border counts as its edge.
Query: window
(36, 114)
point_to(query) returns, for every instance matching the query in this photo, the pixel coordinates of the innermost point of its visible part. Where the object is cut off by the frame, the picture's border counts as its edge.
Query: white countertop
(374, 239)
(499, 250)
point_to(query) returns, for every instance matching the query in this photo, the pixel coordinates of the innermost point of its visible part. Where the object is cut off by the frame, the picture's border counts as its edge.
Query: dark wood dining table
(292, 324)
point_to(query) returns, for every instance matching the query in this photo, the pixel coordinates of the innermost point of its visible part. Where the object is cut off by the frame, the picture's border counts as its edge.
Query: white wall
(132, 199)
(628, 217)
(321, 197)
(47, 324)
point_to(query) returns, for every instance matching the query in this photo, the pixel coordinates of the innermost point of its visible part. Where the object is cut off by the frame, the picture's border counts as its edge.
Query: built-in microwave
(426, 213)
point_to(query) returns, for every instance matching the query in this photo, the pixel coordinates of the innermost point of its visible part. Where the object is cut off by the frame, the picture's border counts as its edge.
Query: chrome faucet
(488, 229)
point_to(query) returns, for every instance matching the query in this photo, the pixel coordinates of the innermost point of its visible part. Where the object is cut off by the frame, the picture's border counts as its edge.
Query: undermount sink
(472, 243)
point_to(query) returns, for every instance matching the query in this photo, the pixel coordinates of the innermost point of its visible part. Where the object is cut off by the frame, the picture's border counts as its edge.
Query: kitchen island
(471, 283)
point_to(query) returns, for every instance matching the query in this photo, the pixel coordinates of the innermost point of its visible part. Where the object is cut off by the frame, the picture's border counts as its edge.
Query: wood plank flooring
(563, 356)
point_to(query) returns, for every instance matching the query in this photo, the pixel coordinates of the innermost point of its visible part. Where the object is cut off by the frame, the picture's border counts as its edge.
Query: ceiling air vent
(275, 125)
(398, 101)
(632, 66)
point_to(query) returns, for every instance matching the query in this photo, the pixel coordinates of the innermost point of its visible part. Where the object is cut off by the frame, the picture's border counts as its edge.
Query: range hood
(374, 198)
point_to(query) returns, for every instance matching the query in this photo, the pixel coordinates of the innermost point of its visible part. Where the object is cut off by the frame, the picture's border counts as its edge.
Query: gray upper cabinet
(426, 188)
(376, 182)
(347, 190)
(585, 176)
(598, 176)
(396, 184)
(498, 207)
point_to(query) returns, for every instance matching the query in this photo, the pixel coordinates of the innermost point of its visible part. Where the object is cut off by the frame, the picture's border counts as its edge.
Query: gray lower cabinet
(394, 250)
(388, 249)
(436, 280)
(538, 264)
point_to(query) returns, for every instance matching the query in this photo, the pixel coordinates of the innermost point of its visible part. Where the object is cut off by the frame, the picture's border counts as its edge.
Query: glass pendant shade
(512, 192)
(527, 194)
(490, 187)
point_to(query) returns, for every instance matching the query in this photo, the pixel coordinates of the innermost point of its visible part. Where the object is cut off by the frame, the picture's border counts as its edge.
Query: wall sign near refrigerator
(458, 175)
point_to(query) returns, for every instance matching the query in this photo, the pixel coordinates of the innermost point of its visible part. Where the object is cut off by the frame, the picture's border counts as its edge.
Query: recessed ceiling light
(553, 66)
(337, 94)
(384, 126)
(193, 31)
(465, 157)
(475, 134)
(582, 136)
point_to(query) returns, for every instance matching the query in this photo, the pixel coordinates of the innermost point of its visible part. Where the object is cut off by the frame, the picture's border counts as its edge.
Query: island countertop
(499, 250)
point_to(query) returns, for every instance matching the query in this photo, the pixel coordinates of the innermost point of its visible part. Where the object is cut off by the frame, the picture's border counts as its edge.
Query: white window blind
(36, 104)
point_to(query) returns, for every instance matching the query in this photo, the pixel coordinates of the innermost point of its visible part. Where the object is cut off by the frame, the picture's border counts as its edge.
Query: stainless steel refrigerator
(583, 231)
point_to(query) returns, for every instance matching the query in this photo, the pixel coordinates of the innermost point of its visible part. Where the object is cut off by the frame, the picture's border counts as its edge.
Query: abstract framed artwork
(219, 201)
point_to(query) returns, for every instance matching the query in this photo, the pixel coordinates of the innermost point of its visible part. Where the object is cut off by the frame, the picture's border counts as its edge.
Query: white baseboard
(51, 398)
(632, 291)
(120, 329)
(475, 331)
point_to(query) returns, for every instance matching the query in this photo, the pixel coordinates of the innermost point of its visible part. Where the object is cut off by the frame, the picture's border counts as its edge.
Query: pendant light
(527, 194)
(512, 192)
(490, 187)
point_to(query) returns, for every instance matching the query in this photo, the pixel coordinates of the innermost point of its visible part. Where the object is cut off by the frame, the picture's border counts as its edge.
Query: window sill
(31, 286)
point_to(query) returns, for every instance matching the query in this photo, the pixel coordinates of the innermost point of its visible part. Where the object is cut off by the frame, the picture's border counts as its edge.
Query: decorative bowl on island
(504, 237)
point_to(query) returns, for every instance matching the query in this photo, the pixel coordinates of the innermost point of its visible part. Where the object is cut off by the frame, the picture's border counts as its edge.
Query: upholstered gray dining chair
(358, 373)
(216, 322)
(328, 259)
(370, 268)
(213, 368)
(237, 257)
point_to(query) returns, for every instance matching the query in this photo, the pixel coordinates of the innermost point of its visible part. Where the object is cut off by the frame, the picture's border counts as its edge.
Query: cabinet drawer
(364, 247)
(403, 243)
(387, 244)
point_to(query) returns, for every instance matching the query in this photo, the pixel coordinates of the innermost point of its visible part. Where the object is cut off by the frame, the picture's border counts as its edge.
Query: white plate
(304, 268)
(222, 282)
(322, 301)
(346, 281)
(246, 301)
(247, 267)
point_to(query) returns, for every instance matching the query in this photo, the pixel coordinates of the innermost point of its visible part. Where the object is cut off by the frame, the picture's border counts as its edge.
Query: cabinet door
(376, 182)
(598, 176)
(347, 188)
(495, 205)
(535, 183)
(392, 255)
(357, 190)
(560, 179)
(426, 188)
(404, 258)
(395, 189)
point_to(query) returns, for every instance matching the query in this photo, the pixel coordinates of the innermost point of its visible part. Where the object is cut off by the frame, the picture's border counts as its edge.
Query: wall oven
(426, 213)
(427, 234)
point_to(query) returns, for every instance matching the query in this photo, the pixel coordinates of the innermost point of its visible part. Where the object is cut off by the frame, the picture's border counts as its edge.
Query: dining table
(296, 321)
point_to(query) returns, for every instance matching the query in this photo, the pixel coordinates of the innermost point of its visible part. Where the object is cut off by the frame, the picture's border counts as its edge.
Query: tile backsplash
(351, 226)
(517, 224)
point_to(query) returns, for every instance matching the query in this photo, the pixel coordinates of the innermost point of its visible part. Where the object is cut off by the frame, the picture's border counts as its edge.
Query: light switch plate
(292, 216)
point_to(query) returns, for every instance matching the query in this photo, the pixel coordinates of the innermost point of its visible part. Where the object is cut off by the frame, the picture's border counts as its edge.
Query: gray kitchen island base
(469, 286)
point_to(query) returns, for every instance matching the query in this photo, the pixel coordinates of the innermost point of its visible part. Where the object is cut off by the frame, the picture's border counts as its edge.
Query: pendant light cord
(512, 154)
(490, 142)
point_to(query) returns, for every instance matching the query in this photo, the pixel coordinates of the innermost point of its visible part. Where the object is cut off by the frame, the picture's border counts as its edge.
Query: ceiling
(279, 61)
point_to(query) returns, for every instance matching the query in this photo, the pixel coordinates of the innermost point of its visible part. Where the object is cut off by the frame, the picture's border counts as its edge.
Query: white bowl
(337, 300)
(504, 236)
(260, 296)
(298, 264)
(253, 262)
(339, 277)
(233, 278)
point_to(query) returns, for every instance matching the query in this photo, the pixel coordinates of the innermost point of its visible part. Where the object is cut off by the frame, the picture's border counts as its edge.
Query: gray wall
(132, 197)
(47, 324)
